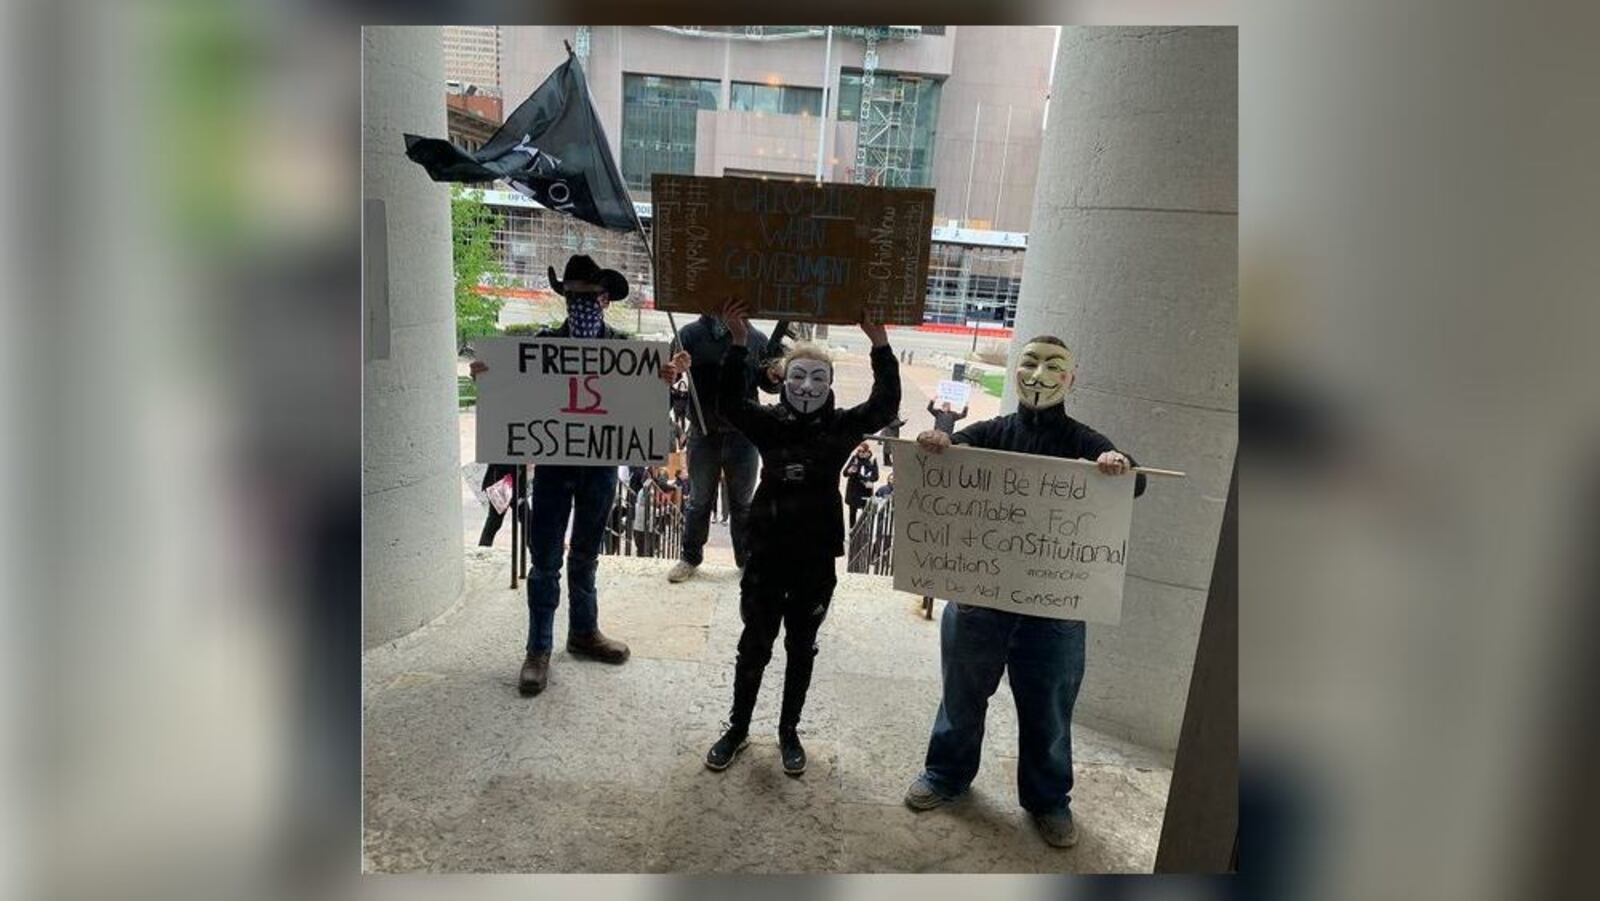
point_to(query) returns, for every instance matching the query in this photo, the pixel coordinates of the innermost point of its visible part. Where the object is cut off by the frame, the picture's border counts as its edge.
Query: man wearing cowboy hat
(582, 493)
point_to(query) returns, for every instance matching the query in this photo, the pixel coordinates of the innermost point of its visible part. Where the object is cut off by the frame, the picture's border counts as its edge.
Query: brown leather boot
(596, 646)
(535, 674)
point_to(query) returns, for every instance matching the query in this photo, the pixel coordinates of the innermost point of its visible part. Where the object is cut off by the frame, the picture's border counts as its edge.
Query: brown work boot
(596, 646)
(535, 674)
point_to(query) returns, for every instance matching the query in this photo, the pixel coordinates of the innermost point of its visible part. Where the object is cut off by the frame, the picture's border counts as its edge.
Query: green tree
(473, 224)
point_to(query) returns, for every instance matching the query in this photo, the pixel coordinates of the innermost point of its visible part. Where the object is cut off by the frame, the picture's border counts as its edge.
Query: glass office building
(658, 125)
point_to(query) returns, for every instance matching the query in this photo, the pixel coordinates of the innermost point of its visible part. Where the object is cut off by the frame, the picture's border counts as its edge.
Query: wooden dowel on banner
(516, 517)
(1146, 470)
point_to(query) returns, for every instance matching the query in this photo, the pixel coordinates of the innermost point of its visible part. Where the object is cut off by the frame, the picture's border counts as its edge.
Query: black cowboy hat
(582, 273)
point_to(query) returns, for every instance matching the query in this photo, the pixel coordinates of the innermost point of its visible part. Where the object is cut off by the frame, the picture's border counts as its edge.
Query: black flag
(550, 148)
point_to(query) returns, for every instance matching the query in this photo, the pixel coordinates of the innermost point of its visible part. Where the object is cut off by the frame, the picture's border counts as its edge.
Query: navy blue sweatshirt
(1049, 432)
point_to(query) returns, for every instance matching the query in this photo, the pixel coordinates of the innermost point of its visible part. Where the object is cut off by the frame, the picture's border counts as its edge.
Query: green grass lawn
(993, 382)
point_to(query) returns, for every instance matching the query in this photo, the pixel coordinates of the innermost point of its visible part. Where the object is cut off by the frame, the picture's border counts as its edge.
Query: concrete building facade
(957, 109)
(411, 564)
(1133, 261)
(976, 79)
(472, 57)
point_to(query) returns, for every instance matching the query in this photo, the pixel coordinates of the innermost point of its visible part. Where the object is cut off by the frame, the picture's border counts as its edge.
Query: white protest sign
(573, 402)
(956, 393)
(1036, 535)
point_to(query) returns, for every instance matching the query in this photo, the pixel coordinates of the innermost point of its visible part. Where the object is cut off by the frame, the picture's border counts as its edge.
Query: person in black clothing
(573, 500)
(491, 523)
(796, 521)
(945, 419)
(646, 487)
(861, 472)
(1043, 657)
(679, 403)
(892, 430)
(717, 452)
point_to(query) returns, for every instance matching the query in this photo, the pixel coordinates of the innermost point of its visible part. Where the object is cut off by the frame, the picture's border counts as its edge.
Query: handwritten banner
(577, 403)
(791, 250)
(956, 393)
(1035, 535)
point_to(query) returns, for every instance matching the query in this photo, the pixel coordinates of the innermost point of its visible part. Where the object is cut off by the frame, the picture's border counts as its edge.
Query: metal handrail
(871, 542)
(659, 533)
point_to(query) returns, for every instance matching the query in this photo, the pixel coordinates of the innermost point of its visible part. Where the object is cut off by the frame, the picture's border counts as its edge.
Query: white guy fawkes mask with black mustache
(807, 384)
(1044, 375)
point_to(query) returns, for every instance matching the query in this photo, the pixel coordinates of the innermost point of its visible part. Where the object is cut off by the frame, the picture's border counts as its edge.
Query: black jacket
(1049, 433)
(861, 474)
(797, 499)
(564, 330)
(946, 422)
(496, 472)
(707, 348)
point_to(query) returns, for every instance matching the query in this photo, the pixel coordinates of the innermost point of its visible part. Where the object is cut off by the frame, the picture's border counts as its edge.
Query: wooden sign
(791, 250)
(573, 402)
(1029, 534)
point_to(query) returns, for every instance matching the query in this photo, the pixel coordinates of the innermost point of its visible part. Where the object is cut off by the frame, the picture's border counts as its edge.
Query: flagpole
(694, 396)
(650, 253)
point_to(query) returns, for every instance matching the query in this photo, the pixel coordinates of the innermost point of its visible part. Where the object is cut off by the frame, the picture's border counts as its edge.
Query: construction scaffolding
(969, 277)
(886, 117)
(973, 284)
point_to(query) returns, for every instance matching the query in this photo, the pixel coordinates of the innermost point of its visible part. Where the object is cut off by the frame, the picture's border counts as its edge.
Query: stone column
(411, 548)
(1132, 260)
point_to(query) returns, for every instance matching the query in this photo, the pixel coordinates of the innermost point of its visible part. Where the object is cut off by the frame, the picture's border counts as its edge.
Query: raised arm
(883, 404)
(931, 411)
(742, 413)
(960, 416)
(760, 361)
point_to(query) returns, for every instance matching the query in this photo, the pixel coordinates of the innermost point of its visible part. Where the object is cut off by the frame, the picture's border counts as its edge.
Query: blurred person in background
(491, 522)
(945, 419)
(892, 430)
(650, 488)
(680, 406)
(860, 474)
(717, 451)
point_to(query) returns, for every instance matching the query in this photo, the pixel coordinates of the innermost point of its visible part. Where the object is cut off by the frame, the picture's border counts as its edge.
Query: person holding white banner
(1044, 657)
(944, 418)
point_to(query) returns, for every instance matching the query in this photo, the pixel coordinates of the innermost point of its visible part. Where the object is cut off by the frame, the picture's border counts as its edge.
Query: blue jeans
(1045, 660)
(583, 493)
(709, 457)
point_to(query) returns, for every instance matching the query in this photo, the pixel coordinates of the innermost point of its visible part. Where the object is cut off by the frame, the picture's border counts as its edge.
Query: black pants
(778, 590)
(491, 522)
(491, 526)
(855, 510)
(644, 543)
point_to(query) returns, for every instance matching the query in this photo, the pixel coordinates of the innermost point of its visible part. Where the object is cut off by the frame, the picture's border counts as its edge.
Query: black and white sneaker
(794, 756)
(726, 749)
